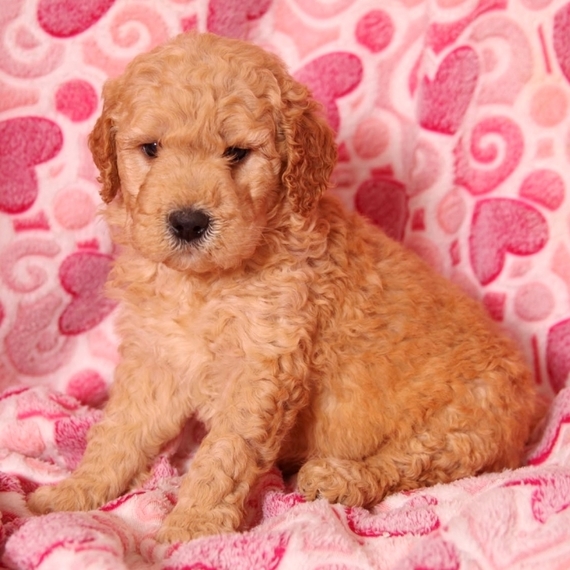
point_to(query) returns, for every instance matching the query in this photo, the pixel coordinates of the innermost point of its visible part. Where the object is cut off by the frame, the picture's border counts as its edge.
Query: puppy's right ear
(102, 146)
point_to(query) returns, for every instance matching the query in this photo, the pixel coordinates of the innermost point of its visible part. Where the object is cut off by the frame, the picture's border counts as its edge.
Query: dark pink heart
(66, 18)
(83, 275)
(384, 202)
(501, 226)
(32, 140)
(561, 39)
(329, 77)
(558, 354)
(444, 100)
(233, 19)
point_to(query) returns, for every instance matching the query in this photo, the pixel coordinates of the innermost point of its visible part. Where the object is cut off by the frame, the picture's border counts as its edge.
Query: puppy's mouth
(189, 226)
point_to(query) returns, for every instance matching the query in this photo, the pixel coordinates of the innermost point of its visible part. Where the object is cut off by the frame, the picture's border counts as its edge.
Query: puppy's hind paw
(339, 481)
(65, 496)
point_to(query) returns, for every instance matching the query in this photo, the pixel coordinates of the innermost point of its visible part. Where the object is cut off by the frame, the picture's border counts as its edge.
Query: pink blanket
(453, 122)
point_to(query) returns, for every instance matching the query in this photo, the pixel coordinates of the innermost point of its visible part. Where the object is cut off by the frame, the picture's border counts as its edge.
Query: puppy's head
(202, 144)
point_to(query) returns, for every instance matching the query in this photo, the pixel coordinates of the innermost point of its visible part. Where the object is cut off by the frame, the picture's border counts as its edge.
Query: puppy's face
(202, 142)
(198, 166)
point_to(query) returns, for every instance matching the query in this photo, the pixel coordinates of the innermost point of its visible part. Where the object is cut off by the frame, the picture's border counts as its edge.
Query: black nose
(188, 224)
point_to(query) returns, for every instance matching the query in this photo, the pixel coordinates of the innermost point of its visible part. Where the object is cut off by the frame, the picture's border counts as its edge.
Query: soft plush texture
(453, 125)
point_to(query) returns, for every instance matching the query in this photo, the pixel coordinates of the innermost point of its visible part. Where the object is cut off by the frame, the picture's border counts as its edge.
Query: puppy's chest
(212, 340)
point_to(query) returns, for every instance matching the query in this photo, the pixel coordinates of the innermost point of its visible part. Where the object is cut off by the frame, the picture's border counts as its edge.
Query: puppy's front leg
(145, 410)
(244, 442)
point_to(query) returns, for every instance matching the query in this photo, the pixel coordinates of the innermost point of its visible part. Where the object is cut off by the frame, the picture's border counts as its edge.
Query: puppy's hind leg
(145, 410)
(421, 461)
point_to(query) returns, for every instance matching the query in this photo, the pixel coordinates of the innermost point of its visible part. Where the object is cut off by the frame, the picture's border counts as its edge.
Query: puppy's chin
(204, 262)
(191, 262)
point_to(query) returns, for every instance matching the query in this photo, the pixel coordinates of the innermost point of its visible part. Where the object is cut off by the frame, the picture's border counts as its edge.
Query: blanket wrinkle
(453, 126)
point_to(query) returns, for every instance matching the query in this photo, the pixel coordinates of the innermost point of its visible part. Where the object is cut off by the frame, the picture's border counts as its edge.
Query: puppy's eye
(236, 154)
(150, 149)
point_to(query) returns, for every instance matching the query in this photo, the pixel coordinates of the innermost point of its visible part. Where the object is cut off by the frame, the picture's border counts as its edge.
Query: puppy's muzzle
(189, 225)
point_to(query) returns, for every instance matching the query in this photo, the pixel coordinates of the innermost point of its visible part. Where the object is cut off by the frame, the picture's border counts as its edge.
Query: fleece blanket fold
(453, 125)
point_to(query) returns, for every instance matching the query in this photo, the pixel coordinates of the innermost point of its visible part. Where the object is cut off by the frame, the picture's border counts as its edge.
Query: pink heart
(444, 101)
(33, 140)
(83, 275)
(233, 19)
(329, 77)
(501, 226)
(558, 354)
(385, 203)
(561, 39)
(66, 18)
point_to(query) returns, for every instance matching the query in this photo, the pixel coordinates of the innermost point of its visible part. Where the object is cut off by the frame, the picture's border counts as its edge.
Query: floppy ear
(102, 146)
(310, 148)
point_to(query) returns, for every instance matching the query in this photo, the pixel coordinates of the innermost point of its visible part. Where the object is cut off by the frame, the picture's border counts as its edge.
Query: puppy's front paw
(69, 495)
(182, 526)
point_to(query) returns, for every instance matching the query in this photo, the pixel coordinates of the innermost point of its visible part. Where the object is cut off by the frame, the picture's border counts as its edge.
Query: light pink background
(453, 124)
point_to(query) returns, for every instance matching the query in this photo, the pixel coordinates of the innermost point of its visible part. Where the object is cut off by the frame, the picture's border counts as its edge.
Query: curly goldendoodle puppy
(298, 333)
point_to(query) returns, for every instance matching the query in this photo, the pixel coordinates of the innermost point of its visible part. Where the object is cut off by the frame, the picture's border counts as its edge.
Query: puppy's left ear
(310, 147)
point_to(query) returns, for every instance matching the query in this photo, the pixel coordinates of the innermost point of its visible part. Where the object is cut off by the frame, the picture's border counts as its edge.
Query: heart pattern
(329, 77)
(233, 19)
(501, 226)
(66, 18)
(444, 100)
(453, 124)
(561, 39)
(83, 275)
(33, 140)
(384, 201)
